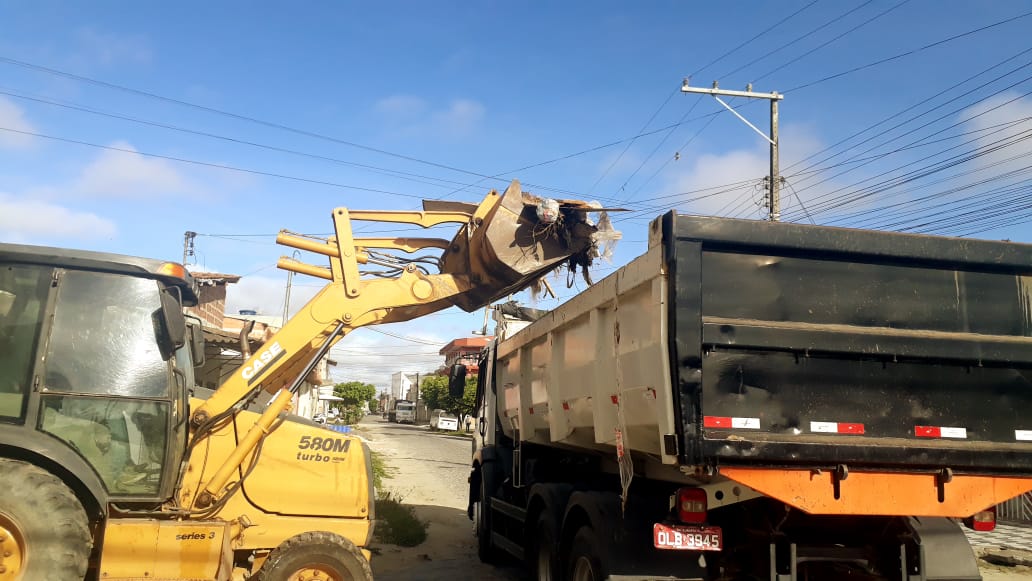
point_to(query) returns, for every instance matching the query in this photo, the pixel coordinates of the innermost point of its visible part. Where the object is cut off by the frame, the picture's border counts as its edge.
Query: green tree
(353, 395)
(434, 391)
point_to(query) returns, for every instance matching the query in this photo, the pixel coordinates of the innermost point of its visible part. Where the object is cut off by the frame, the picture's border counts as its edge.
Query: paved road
(430, 472)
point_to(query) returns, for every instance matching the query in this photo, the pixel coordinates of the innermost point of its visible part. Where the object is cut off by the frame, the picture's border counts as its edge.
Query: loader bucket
(512, 247)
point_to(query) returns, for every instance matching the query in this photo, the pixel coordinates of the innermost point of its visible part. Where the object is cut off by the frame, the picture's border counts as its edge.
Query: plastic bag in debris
(547, 211)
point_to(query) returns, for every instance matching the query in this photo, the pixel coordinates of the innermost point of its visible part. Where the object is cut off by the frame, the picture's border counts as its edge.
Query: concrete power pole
(188, 245)
(774, 179)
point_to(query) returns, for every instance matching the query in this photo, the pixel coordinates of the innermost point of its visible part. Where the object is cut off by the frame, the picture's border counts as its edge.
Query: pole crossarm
(774, 180)
(727, 93)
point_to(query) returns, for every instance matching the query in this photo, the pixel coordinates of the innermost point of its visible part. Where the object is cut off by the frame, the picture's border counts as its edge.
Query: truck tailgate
(814, 347)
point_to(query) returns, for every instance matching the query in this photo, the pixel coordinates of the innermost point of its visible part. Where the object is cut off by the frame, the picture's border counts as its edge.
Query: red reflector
(927, 432)
(716, 422)
(691, 505)
(850, 428)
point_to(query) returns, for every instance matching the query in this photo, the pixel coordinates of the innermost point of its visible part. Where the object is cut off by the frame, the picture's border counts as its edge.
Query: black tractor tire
(545, 564)
(51, 525)
(328, 552)
(586, 560)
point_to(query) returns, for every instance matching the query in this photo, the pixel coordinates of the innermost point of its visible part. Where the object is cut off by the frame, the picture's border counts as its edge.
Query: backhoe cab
(139, 480)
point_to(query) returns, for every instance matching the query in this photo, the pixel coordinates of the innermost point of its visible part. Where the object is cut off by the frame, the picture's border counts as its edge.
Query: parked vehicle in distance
(403, 412)
(319, 418)
(443, 420)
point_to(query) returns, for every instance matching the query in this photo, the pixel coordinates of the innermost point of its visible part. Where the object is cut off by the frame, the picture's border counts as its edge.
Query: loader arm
(498, 249)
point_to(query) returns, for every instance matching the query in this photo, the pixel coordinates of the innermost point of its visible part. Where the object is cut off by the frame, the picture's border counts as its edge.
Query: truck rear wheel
(316, 556)
(587, 561)
(545, 566)
(43, 526)
(486, 551)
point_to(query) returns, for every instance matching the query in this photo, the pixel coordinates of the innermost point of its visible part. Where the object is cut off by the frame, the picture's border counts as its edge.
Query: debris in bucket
(570, 221)
(548, 211)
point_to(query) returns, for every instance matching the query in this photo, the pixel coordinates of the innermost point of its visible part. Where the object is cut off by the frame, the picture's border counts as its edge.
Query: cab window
(23, 297)
(107, 385)
(105, 337)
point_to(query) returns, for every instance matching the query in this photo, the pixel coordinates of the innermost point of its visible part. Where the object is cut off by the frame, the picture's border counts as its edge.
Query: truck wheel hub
(12, 549)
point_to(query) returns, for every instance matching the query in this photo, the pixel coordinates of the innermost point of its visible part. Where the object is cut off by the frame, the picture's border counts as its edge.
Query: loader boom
(347, 302)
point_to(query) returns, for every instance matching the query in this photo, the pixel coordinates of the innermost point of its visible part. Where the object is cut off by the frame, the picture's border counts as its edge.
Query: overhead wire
(770, 53)
(909, 52)
(829, 197)
(831, 40)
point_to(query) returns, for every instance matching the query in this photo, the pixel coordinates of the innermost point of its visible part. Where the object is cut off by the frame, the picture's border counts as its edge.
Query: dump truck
(112, 470)
(755, 400)
(402, 411)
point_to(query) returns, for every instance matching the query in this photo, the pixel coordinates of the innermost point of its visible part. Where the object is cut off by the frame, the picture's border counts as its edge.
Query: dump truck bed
(744, 343)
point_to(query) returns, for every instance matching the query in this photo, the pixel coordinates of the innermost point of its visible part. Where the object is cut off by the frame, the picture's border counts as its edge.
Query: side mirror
(175, 323)
(196, 330)
(457, 381)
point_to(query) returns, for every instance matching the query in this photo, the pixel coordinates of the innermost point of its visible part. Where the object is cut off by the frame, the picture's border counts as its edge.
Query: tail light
(984, 521)
(691, 505)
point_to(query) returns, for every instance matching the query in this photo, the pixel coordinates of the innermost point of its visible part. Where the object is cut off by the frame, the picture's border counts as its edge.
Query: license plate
(687, 538)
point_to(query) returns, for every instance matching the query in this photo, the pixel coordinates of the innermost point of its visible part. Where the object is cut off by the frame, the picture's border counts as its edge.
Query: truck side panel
(594, 374)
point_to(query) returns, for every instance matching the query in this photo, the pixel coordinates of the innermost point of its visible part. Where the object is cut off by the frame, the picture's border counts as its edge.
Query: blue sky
(431, 97)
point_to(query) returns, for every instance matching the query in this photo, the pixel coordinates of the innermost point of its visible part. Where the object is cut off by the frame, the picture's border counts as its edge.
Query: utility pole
(286, 297)
(188, 244)
(773, 180)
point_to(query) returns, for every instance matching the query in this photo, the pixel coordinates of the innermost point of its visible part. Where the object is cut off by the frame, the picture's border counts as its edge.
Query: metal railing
(1016, 510)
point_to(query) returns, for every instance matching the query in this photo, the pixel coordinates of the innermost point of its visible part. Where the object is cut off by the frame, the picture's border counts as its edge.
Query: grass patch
(380, 470)
(396, 523)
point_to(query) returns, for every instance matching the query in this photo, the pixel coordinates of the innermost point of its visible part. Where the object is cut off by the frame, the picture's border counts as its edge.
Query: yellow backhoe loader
(110, 470)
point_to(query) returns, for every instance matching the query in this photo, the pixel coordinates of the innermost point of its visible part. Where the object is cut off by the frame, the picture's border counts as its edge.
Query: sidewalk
(1005, 536)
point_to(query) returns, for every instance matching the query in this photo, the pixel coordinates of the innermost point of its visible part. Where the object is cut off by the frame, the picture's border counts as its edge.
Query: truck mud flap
(943, 551)
(931, 549)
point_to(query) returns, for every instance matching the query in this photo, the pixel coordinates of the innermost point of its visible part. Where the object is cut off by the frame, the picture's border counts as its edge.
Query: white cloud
(13, 117)
(95, 47)
(123, 174)
(38, 222)
(1005, 118)
(462, 117)
(412, 115)
(708, 171)
(401, 106)
(265, 294)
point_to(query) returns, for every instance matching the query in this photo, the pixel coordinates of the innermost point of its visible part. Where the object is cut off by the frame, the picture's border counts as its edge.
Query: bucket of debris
(522, 238)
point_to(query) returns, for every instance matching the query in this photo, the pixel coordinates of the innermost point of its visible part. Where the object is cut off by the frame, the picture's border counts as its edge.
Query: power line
(831, 40)
(758, 35)
(404, 338)
(249, 119)
(376, 169)
(676, 91)
(902, 111)
(208, 164)
(910, 52)
(912, 131)
(790, 43)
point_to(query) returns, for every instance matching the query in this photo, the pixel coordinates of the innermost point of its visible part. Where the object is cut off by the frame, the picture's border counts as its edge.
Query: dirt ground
(429, 473)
